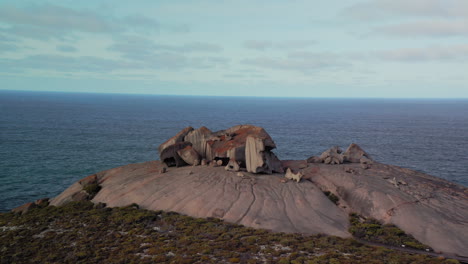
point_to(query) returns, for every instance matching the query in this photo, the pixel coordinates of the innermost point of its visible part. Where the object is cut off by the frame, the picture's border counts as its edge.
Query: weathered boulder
(259, 159)
(170, 156)
(189, 155)
(249, 145)
(199, 138)
(179, 137)
(354, 153)
(332, 156)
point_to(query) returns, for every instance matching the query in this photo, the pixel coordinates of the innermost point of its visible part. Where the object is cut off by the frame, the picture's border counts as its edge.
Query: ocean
(49, 140)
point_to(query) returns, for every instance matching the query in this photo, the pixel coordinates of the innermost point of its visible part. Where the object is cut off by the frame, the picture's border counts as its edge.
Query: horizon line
(235, 96)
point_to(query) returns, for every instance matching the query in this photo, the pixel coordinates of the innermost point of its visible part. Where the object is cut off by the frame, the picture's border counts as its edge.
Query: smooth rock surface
(259, 201)
(433, 210)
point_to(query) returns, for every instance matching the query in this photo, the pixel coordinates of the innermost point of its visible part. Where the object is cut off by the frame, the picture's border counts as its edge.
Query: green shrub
(335, 199)
(92, 189)
(372, 230)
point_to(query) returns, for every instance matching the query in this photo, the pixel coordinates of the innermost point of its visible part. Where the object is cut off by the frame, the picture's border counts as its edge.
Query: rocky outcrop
(332, 156)
(433, 210)
(25, 208)
(255, 200)
(355, 154)
(249, 145)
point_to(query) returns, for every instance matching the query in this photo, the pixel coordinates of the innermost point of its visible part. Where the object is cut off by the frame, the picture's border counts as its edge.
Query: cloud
(156, 55)
(47, 21)
(437, 53)
(7, 47)
(65, 48)
(304, 62)
(428, 28)
(139, 21)
(262, 45)
(60, 63)
(257, 44)
(55, 17)
(379, 9)
(137, 47)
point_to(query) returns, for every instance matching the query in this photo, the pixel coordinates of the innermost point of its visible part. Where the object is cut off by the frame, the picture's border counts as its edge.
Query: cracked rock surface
(433, 210)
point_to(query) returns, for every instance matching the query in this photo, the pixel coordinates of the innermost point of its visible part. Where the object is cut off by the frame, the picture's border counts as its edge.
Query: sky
(295, 48)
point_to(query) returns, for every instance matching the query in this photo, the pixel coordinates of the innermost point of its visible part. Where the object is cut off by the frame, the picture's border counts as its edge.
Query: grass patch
(372, 230)
(79, 233)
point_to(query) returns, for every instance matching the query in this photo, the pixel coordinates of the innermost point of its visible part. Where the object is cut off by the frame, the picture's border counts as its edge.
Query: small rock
(240, 174)
(284, 180)
(349, 170)
(204, 162)
(163, 170)
(219, 162)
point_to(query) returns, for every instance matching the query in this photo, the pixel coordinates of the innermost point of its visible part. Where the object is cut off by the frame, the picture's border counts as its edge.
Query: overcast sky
(348, 48)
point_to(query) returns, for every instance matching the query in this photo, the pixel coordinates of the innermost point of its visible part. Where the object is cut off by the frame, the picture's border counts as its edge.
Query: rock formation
(433, 210)
(291, 176)
(355, 153)
(334, 155)
(249, 146)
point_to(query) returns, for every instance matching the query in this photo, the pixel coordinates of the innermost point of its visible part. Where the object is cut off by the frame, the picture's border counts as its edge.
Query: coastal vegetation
(372, 230)
(80, 232)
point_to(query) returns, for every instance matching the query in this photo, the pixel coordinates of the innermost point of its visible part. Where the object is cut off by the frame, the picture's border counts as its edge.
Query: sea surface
(50, 140)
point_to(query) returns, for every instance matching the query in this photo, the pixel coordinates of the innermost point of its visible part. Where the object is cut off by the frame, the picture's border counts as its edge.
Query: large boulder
(355, 154)
(250, 146)
(170, 155)
(179, 137)
(199, 138)
(189, 155)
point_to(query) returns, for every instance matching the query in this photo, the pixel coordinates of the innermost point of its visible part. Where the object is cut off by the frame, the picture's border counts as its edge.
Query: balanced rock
(354, 153)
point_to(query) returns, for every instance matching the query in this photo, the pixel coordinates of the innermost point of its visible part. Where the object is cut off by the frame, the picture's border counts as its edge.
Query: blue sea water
(50, 140)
